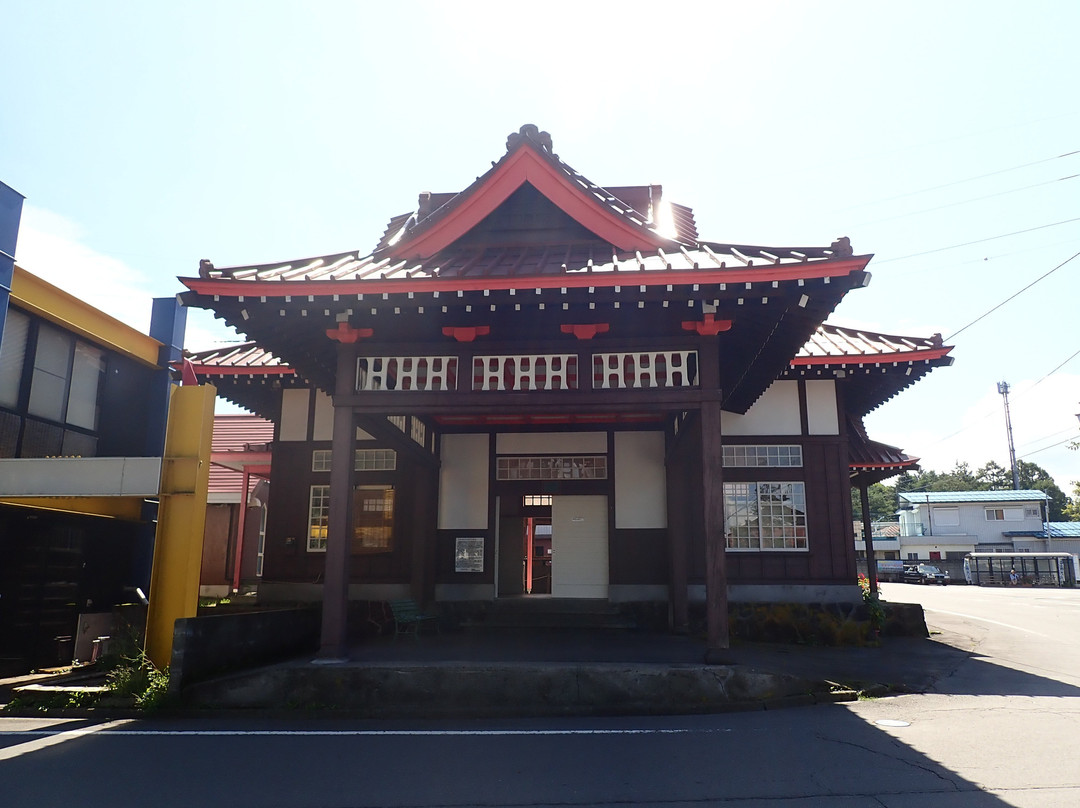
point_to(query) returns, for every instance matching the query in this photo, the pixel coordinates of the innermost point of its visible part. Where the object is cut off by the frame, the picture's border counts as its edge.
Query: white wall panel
(775, 413)
(324, 417)
(463, 482)
(640, 480)
(822, 416)
(530, 443)
(294, 415)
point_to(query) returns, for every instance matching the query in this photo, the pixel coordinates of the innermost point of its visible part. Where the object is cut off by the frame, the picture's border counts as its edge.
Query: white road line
(994, 622)
(58, 735)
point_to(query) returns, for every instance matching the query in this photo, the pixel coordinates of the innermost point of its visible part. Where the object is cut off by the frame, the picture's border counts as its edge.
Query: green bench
(409, 618)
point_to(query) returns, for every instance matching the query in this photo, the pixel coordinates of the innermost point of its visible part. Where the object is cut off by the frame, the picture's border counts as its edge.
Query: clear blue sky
(146, 136)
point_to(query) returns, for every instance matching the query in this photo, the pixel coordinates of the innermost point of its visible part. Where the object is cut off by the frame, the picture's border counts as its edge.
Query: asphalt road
(1001, 729)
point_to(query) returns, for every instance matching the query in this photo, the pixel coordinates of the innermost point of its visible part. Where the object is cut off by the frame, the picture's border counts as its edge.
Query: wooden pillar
(867, 531)
(678, 531)
(716, 587)
(338, 539)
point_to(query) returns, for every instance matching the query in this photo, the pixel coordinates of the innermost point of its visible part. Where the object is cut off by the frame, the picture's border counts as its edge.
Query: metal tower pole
(1003, 388)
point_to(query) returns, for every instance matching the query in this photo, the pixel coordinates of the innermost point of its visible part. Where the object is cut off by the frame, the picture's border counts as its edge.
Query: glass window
(373, 519)
(318, 518)
(12, 354)
(778, 456)
(765, 516)
(320, 460)
(86, 375)
(995, 514)
(375, 460)
(574, 467)
(52, 361)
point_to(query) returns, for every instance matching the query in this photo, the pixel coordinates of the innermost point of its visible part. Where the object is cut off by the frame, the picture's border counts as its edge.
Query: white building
(944, 525)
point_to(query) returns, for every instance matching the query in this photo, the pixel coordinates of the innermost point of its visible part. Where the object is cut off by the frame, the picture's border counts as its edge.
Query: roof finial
(533, 133)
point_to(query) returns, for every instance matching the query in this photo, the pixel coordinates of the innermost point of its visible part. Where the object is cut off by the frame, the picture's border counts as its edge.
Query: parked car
(925, 574)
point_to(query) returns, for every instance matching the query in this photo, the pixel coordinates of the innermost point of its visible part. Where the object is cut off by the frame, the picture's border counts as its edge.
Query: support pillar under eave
(333, 644)
(716, 587)
(868, 535)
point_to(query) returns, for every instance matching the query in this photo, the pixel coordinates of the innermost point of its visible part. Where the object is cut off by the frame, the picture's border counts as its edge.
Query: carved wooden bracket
(585, 330)
(348, 335)
(466, 333)
(709, 328)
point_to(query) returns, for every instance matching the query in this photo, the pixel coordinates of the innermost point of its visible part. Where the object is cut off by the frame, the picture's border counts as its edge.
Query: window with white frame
(1004, 514)
(765, 516)
(1032, 512)
(318, 518)
(375, 460)
(364, 460)
(536, 500)
(754, 456)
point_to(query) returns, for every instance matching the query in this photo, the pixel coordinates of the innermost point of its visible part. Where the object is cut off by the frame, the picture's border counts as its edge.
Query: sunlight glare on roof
(664, 220)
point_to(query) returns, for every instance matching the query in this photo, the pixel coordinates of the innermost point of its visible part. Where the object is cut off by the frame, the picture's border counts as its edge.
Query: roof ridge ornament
(529, 131)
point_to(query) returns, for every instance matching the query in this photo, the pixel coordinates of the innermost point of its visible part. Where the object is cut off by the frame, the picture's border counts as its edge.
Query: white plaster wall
(294, 415)
(640, 480)
(527, 443)
(775, 413)
(822, 416)
(463, 482)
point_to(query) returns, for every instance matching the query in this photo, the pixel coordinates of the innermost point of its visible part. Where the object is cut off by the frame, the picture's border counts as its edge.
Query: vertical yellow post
(185, 478)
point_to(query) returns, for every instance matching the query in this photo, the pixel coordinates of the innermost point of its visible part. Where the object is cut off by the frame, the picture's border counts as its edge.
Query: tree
(882, 499)
(1072, 510)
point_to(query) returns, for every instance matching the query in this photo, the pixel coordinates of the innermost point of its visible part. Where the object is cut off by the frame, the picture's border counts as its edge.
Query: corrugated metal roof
(916, 497)
(1064, 530)
(528, 261)
(235, 433)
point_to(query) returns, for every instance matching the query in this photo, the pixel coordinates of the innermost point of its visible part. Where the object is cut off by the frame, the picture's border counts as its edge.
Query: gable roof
(528, 160)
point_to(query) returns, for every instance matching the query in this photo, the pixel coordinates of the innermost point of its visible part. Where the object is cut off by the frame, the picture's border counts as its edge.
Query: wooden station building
(540, 386)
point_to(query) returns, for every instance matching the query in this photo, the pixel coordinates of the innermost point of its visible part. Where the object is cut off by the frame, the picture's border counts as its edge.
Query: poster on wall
(469, 554)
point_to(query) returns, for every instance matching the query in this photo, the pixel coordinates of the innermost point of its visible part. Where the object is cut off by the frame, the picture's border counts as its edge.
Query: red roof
(238, 441)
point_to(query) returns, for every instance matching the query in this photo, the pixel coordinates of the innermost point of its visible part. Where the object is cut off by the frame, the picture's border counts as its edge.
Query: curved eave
(860, 360)
(523, 165)
(771, 273)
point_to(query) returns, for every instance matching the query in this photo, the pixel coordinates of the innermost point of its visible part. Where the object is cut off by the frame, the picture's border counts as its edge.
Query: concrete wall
(204, 647)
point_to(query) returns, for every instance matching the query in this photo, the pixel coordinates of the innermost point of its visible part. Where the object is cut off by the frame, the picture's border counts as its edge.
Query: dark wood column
(336, 578)
(678, 531)
(712, 483)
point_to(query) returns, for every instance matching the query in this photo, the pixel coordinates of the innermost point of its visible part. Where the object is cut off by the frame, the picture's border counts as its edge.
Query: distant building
(947, 525)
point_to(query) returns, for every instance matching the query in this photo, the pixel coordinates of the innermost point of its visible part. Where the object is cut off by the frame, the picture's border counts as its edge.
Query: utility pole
(1003, 388)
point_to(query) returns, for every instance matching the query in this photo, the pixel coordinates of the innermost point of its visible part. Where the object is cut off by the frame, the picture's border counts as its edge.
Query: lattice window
(375, 460)
(779, 456)
(765, 516)
(320, 460)
(318, 518)
(562, 467)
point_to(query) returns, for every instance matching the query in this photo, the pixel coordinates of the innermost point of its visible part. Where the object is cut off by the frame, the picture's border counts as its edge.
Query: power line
(1043, 449)
(960, 182)
(977, 241)
(966, 201)
(1011, 297)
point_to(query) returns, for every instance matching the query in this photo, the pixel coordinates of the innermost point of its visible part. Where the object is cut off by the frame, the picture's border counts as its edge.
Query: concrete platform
(563, 672)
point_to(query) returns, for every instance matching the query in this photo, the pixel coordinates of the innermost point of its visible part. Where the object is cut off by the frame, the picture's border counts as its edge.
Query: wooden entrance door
(579, 547)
